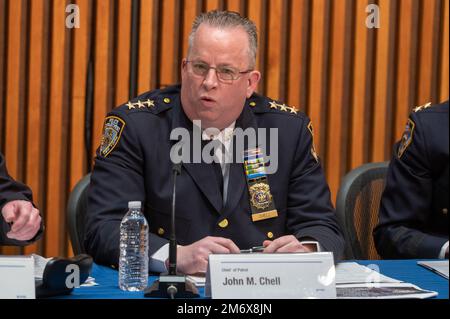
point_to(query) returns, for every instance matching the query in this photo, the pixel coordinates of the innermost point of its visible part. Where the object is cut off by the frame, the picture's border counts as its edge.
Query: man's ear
(253, 81)
(183, 67)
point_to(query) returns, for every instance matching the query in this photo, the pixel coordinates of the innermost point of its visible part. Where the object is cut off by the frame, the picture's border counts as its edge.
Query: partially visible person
(20, 222)
(413, 221)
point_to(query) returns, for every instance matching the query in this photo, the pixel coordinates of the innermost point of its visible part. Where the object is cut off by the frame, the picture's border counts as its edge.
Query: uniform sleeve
(406, 202)
(117, 178)
(310, 211)
(13, 190)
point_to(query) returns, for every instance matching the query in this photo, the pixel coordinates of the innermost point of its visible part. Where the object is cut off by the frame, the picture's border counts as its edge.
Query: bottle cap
(134, 204)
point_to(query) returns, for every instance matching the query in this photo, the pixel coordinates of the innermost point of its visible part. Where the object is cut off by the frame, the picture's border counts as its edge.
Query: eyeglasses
(224, 73)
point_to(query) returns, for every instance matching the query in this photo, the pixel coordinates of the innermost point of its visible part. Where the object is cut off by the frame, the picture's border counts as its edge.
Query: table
(405, 270)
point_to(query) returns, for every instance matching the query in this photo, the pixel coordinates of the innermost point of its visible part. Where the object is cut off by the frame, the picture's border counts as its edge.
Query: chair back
(76, 211)
(357, 206)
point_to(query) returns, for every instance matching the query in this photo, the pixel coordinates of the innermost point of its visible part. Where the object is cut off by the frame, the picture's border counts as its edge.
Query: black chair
(76, 210)
(357, 206)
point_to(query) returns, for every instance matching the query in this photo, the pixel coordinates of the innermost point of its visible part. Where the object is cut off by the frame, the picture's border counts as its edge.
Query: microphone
(176, 169)
(171, 284)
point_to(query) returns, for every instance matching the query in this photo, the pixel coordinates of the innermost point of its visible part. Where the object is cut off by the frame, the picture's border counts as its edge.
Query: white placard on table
(264, 276)
(17, 277)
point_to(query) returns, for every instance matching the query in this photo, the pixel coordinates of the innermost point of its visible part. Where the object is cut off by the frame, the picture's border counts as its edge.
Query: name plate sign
(17, 277)
(270, 276)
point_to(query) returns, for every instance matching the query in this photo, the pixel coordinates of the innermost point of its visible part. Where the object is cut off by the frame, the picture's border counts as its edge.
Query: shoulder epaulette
(145, 104)
(273, 105)
(421, 107)
(153, 102)
(267, 105)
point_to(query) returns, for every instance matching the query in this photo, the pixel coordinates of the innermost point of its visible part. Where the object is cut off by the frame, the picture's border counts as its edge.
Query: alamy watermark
(73, 277)
(73, 18)
(189, 148)
(373, 19)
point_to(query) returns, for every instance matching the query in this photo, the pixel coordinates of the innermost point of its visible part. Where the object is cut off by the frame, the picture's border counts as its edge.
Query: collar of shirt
(224, 136)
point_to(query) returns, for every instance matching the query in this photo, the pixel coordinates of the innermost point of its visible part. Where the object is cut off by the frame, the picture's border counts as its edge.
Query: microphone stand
(171, 284)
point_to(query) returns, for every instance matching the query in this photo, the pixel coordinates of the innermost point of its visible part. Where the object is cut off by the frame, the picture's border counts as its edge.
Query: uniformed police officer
(413, 220)
(20, 222)
(220, 209)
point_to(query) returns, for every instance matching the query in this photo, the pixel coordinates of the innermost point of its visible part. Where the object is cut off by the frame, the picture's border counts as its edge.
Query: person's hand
(193, 258)
(286, 244)
(25, 219)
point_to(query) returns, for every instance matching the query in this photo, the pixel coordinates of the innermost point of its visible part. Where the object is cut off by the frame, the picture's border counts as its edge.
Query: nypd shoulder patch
(112, 130)
(407, 138)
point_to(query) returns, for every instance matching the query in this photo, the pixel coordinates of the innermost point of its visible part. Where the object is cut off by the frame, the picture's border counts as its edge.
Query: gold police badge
(261, 201)
(260, 196)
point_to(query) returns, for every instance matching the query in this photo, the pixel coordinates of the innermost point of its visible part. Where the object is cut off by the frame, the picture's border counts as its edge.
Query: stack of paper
(438, 266)
(354, 281)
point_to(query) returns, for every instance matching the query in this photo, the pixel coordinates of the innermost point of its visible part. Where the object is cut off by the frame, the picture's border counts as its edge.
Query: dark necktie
(216, 166)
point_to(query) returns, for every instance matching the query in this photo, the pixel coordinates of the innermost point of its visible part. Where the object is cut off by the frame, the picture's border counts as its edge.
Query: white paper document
(354, 273)
(398, 290)
(354, 281)
(438, 266)
(198, 281)
(39, 265)
(16, 277)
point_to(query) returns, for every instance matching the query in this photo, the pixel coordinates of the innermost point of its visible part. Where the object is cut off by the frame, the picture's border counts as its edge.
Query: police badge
(112, 130)
(260, 196)
(261, 200)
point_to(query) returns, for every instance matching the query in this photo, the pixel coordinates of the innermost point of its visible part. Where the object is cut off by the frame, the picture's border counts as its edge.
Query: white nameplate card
(17, 277)
(264, 276)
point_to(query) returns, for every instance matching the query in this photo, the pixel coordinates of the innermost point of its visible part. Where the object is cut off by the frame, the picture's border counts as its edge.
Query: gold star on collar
(130, 105)
(273, 105)
(293, 110)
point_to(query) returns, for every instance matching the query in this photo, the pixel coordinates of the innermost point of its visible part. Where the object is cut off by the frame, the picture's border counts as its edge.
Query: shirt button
(270, 235)
(166, 100)
(161, 231)
(223, 223)
(252, 104)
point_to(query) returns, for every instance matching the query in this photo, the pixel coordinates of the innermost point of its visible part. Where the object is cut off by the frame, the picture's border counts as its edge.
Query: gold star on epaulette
(422, 107)
(273, 105)
(150, 103)
(293, 110)
(283, 107)
(130, 105)
(139, 104)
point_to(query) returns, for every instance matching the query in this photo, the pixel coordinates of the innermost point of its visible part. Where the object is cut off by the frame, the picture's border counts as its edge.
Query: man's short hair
(228, 19)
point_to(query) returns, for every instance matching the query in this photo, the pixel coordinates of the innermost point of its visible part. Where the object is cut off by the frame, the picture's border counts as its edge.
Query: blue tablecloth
(405, 270)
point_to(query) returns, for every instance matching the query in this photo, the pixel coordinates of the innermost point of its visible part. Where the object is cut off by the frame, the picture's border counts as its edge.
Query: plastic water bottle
(133, 260)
